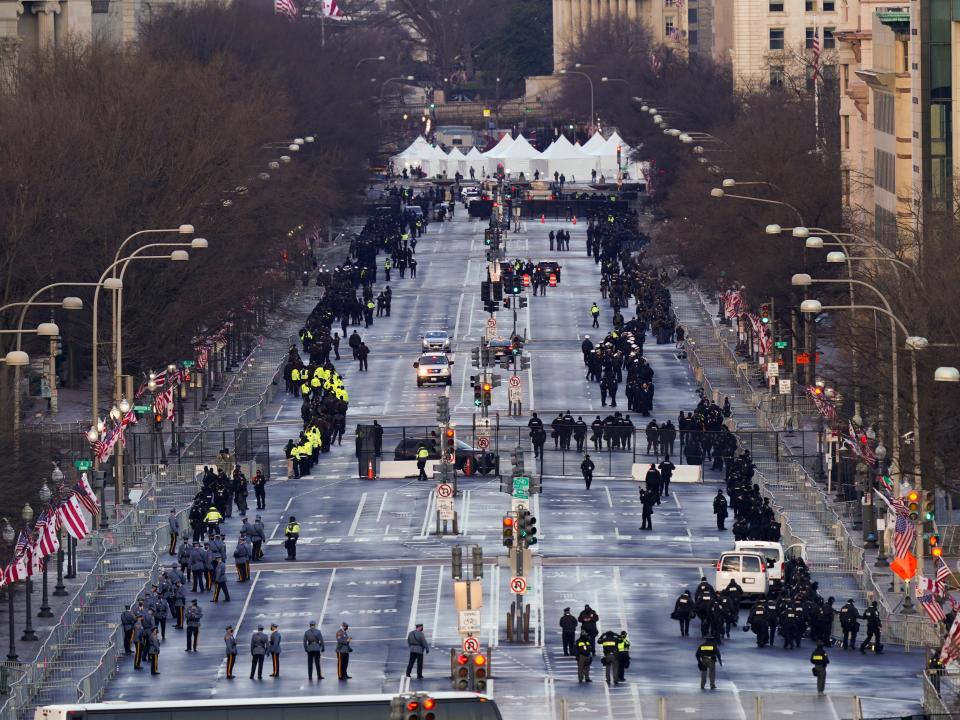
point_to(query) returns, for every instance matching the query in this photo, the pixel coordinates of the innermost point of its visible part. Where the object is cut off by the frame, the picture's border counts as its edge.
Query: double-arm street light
(589, 80)
(378, 58)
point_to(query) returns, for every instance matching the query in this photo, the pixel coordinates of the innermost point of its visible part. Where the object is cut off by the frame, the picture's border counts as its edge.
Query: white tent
(476, 161)
(569, 160)
(456, 162)
(414, 155)
(522, 157)
(434, 161)
(494, 155)
(595, 145)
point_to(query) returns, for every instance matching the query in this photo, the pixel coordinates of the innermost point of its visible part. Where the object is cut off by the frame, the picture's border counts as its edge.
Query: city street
(367, 555)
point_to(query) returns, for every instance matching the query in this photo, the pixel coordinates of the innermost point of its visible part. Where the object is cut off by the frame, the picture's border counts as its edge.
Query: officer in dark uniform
(608, 644)
(127, 620)
(820, 661)
(258, 649)
(720, 509)
(568, 628)
(682, 611)
(587, 467)
(872, 616)
(708, 655)
(274, 648)
(313, 646)
(623, 655)
(849, 615)
(757, 621)
(230, 643)
(584, 657)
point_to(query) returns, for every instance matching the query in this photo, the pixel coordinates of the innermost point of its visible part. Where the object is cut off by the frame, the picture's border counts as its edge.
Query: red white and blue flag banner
(951, 646)
(84, 493)
(285, 7)
(929, 603)
(859, 447)
(164, 405)
(732, 303)
(943, 574)
(74, 521)
(904, 534)
(824, 406)
(331, 9)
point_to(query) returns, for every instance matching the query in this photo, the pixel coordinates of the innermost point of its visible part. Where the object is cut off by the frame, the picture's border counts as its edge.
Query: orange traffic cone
(370, 475)
(574, 219)
(543, 220)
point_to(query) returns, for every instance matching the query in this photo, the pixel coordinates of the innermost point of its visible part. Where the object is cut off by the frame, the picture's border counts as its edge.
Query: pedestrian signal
(523, 302)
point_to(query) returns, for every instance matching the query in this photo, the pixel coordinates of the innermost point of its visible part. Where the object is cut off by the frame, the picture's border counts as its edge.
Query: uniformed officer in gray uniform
(173, 522)
(127, 620)
(275, 639)
(258, 648)
(220, 581)
(194, 613)
(196, 567)
(154, 651)
(313, 646)
(417, 643)
(230, 643)
(257, 538)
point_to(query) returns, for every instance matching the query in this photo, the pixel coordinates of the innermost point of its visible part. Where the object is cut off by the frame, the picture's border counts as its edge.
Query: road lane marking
(415, 603)
(326, 598)
(436, 609)
(246, 603)
(356, 517)
(383, 502)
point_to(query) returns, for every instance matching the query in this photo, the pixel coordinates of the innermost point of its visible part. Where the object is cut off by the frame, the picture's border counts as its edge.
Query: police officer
(872, 616)
(584, 657)
(343, 651)
(595, 312)
(720, 509)
(417, 644)
(682, 611)
(230, 643)
(241, 557)
(422, 455)
(127, 620)
(197, 569)
(153, 650)
(274, 648)
(708, 655)
(608, 644)
(935, 669)
(257, 537)
(313, 646)
(139, 640)
(212, 520)
(292, 532)
(173, 523)
(258, 649)
(260, 488)
(820, 661)
(623, 655)
(220, 582)
(568, 628)
(757, 621)
(194, 613)
(587, 467)
(848, 623)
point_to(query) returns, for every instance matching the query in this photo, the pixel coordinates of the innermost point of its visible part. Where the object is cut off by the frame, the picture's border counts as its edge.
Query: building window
(884, 170)
(846, 131)
(845, 76)
(692, 16)
(776, 76)
(885, 227)
(883, 112)
(808, 41)
(776, 6)
(669, 28)
(810, 5)
(845, 186)
(100, 7)
(693, 38)
(776, 40)
(829, 6)
(829, 41)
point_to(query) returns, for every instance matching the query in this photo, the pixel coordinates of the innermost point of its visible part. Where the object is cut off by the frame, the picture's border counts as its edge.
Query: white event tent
(494, 155)
(568, 159)
(522, 157)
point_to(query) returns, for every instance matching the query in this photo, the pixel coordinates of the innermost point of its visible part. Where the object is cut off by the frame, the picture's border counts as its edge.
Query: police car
(433, 369)
(436, 341)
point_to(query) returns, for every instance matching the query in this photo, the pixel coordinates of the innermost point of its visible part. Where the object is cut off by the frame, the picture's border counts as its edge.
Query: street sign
(445, 507)
(188, 363)
(519, 504)
(785, 387)
(470, 643)
(141, 409)
(773, 369)
(514, 394)
(83, 464)
(491, 328)
(483, 442)
(518, 585)
(514, 381)
(445, 490)
(521, 487)
(469, 621)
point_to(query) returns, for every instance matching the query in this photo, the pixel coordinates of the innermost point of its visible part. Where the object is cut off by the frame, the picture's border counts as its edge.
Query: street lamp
(378, 58)
(28, 634)
(8, 534)
(946, 374)
(589, 80)
(45, 495)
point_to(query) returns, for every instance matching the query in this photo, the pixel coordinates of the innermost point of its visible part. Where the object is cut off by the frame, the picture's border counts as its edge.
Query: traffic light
(477, 556)
(515, 345)
(490, 306)
(461, 672)
(506, 303)
(516, 285)
(765, 314)
(934, 541)
(527, 528)
(497, 288)
(443, 410)
(475, 357)
(450, 445)
(456, 562)
(524, 362)
(516, 462)
(487, 393)
(485, 291)
(913, 505)
(508, 531)
(477, 395)
(929, 505)
(478, 673)
(523, 303)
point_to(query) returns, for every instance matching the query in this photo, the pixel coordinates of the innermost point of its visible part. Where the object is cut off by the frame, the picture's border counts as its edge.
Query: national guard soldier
(292, 532)
(153, 650)
(417, 644)
(274, 649)
(608, 644)
(849, 615)
(820, 661)
(708, 655)
(220, 582)
(872, 616)
(623, 655)
(258, 649)
(584, 658)
(313, 646)
(128, 620)
(230, 643)
(173, 522)
(194, 613)
(343, 651)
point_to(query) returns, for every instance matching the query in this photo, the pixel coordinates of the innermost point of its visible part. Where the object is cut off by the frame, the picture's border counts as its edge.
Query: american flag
(930, 606)
(904, 534)
(899, 505)
(331, 9)
(655, 64)
(943, 574)
(951, 646)
(815, 47)
(23, 542)
(86, 497)
(285, 7)
(164, 405)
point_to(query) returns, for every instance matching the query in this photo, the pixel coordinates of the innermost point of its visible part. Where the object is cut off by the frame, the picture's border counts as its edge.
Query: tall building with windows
(775, 38)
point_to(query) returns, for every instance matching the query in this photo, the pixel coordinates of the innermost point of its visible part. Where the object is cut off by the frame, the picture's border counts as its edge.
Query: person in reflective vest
(623, 655)
(584, 658)
(595, 312)
(608, 644)
(708, 655)
(820, 661)
(212, 519)
(422, 455)
(292, 532)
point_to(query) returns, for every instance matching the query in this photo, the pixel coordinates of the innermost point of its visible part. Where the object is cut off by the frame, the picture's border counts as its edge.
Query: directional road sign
(483, 442)
(518, 585)
(514, 381)
(470, 643)
(445, 490)
(445, 507)
(491, 328)
(521, 487)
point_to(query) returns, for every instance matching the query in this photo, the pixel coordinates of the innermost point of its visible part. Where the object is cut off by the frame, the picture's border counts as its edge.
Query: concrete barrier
(397, 469)
(682, 473)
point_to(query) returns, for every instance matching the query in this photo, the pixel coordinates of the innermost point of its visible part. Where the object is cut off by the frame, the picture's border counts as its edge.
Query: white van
(747, 567)
(774, 555)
